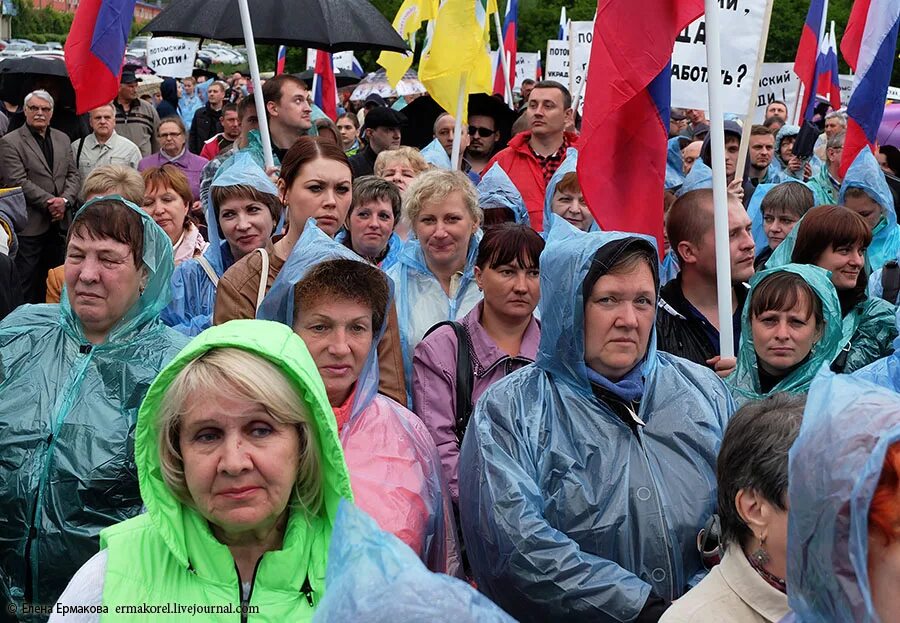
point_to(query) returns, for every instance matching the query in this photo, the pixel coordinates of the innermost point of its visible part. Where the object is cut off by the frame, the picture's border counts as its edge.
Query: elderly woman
(500, 335)
(338, 304)
(791, 326)
(585, 477)
(844, 517)
(752, 473)
(172, 138)
(434, 278)
(241, 472)
(72, 377)
(374, 213)
(315, 183)
(168, 199)
(244, 209)
(400, 166)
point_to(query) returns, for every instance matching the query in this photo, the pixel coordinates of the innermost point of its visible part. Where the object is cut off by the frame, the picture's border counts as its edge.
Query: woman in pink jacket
(500, 336)
(337, 303)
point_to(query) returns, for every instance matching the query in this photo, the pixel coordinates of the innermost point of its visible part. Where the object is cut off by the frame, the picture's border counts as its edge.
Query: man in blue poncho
(585, 478)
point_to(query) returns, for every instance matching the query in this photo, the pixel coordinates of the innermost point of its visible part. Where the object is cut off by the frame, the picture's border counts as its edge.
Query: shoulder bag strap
(208, 269)
(78, 155)
(263, 278)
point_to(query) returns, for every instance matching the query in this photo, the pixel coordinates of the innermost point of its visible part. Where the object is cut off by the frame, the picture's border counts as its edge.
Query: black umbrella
(330, 25)
(423, 111)
(49, 65)
(343, 78)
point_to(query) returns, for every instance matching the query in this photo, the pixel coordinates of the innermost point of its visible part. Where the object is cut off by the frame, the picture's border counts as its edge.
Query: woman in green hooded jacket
(791, 326)
(72, 377)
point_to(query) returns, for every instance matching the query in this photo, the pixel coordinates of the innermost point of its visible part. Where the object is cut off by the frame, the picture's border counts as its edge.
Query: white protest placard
(557, 64)
(777, 81)
(526, 67)
(580, 36)
(741, 23)
(343, 61)
(171, 58)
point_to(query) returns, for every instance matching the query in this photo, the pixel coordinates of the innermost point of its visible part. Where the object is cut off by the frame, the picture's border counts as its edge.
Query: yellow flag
(407, 22)
(457, 49)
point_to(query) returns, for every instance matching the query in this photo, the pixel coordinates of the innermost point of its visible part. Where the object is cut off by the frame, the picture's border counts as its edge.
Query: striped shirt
(138, 125)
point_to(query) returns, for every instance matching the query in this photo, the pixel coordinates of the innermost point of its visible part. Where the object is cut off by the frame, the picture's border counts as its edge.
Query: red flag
(325, 89)
(622, 164)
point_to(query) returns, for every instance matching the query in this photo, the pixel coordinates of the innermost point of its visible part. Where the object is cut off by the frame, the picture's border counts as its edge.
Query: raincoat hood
(496, 190)
(169, 91)
(159, 262)
(241, 169)
(313, 248)
(435, 155)
(700, 176)
(184, 530)
(569, 165)
(674, 163)
(565, 263)
(828, 529)
(754, 211)
(744, 381)
(786, 131)
(866, 174)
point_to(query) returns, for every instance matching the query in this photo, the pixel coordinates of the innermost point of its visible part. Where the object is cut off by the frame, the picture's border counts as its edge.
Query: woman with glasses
(173, 150)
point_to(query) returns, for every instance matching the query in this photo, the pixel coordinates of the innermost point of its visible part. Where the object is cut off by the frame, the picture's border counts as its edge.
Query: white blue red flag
(626, 112)
(95, 50)
(827, 83)
(808, 53)
(282, 57)
(868, 46)
(510, 26)
(325, 85)
(563, 26)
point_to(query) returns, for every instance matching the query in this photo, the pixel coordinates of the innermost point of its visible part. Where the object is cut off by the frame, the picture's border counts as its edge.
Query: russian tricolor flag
(808, 53)
(827, 82)
(868, 46)
(95, 50)
(280, 60)
(626, 112)
(563, 26)
(510, 47)
(325, 85)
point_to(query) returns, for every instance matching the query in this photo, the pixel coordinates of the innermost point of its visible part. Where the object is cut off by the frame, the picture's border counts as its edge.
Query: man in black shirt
(382, 133)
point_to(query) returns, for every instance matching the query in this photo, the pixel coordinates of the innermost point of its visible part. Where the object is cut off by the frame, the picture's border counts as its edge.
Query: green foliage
(39, 22)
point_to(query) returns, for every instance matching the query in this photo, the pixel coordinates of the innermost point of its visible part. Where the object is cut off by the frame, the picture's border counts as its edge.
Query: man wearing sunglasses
(483, 137)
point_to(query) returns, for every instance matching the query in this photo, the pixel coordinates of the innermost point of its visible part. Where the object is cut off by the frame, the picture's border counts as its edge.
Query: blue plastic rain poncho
(866, 174)
(886, 371)
(700, 176)
(496, 190)
(372, 577)
(568, 512)
(567, 166)
(435, 155)
(395, 246)
(422, 302)
(744, 381)
(674, 163)
(834, 468)
(778, 165)
(68, 409)
(193, 287)
(395, 469)
(754, 211)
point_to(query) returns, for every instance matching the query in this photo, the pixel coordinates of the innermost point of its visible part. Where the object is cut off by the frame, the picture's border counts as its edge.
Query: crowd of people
(204, 360)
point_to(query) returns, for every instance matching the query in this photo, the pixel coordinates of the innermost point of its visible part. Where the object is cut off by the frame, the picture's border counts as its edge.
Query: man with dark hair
(231, 131)
(533, 157)
(381, 130)
(248, 122)
(526, 89)
(207, 121)
(483, 139)
(288, 110)
(778, 109)
(761, 152)
(687, 324)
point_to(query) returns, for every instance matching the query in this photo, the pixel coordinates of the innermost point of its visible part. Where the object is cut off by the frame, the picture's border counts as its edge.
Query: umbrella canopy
(377, 82)
(322, 24)
(343, 78)
(19, 76)
(423, 111)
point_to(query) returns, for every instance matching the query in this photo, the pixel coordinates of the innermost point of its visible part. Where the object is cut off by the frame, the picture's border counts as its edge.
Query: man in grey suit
(39, 159)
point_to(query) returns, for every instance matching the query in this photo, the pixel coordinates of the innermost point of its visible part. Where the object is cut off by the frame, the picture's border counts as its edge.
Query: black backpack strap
(78, 155)
(890, 281)
(465, 377)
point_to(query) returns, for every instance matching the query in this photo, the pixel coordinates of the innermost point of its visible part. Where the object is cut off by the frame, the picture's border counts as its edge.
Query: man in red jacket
(532, 157)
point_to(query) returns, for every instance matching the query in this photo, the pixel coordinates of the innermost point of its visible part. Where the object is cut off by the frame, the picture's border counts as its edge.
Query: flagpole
(257, 83)
(457, 129)
(751, 108)
(720, 192)
(504, 63)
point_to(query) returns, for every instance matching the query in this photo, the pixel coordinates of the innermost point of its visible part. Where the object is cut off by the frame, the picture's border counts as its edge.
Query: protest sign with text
(777, 81)
(557, 65)
(171, 58)
(742, 23)
(580, 36)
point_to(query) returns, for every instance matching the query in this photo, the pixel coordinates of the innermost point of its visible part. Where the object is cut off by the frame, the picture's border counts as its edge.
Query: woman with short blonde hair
(400, 166)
